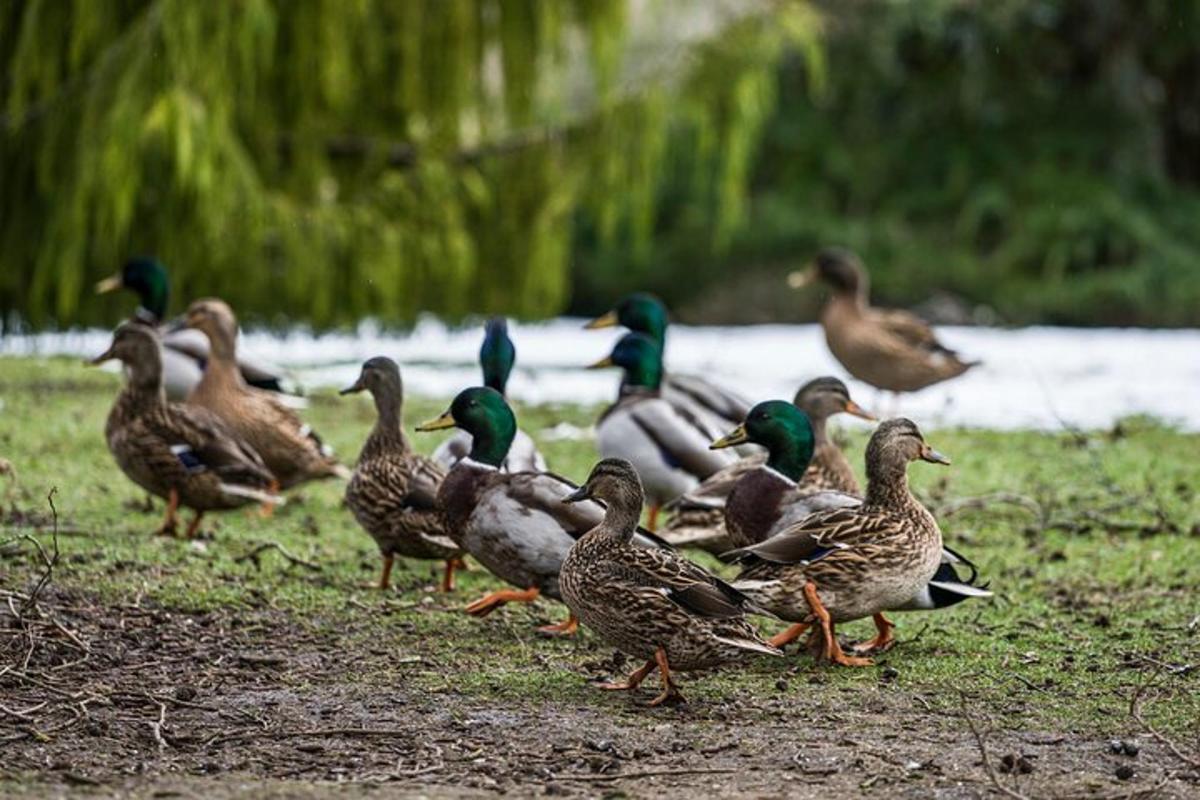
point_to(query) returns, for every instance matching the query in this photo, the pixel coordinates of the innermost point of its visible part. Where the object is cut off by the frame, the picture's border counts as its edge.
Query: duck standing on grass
(497, 356)
(712, 406)
(181, 453)
(892, 350)
(514, 523)
(668, 448)
(184, 352)
(652, 604)
(291, 450)
(698, 517)
(851, 563)
(393, 492)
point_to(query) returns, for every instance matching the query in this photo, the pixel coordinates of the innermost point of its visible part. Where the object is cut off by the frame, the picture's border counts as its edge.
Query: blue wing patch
(188, 458)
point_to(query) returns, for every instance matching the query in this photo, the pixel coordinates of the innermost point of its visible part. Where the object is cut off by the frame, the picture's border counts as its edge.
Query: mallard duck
(712, 406)
(181, 453)
(292, 450)
(891, 350)
(185, 352)
(652, 604)
(850, 563)
(393, 492)
(514, 523)
(668, 448)
(497, 357)
(698, 517)
(769, 498)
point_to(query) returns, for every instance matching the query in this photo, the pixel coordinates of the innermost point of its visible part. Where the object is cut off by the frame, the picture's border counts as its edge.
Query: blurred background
(325, 161)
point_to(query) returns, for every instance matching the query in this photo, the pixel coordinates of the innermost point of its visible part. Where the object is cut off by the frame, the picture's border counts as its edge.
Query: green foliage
(1040, 157)
(325, 160)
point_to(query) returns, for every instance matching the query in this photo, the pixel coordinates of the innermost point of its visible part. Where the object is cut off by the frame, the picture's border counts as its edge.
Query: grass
(1094, 587)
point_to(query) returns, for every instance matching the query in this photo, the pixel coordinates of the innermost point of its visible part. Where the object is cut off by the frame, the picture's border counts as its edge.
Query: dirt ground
(140, 701)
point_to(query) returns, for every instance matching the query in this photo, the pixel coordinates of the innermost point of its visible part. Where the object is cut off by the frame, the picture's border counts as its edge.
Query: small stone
(1116, 746)
(781, 685)
(601, 745)
(185, 693)
(1124, 772)
(1131, 749)
(889, 674)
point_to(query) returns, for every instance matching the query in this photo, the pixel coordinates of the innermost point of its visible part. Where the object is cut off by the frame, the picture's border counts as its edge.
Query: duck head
(616, 484)
(136, 346)
(147, 278)
(783, 429)
(215, 319)
(839, 268)
(381, 377)
(484, 413)
(894, 445)
(640, 312)
(640, 358)
(821, 398)
(497, 355)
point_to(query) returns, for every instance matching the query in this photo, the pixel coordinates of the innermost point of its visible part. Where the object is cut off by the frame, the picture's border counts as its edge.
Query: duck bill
(109, 284)
(176, 325)
(578, 495)
(353, 388)
(605, 320)
(804, 277)
(933, 456)
(735, 437)
(855, 410)
(107, 355)
(446, 420)
(602, 363)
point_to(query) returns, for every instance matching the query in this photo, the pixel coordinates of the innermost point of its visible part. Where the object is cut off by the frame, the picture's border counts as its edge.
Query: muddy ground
(140, 701)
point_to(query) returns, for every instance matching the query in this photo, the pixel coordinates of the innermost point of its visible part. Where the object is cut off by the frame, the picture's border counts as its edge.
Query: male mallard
(715, 408)
(185, 352)
(698, 517)
(769, 498)
(497, 357)
(393, 492)
(291, 450)
(514, 523)
(666, 446)
(181, 453)
(652, 604)
(851, 563)
(892, 350)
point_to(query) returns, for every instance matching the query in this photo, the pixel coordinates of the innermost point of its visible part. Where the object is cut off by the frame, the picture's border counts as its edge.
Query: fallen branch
(652, 774)
(262, 547)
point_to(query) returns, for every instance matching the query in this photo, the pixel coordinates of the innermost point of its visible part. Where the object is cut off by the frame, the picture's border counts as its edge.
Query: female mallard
(181, 453)
(184, 351)
(497, 357)
(667, 447)
(851, 563)
(652, 604)
(393, 492)
(715, 408)
(891, 350)
(514, 523)
(698, 517)
(291, 450)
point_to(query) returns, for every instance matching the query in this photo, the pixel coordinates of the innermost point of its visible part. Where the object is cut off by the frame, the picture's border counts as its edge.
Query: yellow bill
(446, 420)
(855, 410)
(602, 363)
(109, 284)
(735, 437)
(801, 278)
(605, 320)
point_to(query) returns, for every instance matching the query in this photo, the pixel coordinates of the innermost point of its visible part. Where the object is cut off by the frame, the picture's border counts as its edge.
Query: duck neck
(143, 390)
(820, 437)
(389, 422)
(490, 445)
(222, 357)
(622, 515)
(887, 485)
(790, 458)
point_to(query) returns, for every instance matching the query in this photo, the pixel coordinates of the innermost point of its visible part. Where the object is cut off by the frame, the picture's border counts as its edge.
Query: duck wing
(200, 439)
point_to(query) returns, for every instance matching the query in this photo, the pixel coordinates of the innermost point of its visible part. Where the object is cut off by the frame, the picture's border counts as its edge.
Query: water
(1038, 378)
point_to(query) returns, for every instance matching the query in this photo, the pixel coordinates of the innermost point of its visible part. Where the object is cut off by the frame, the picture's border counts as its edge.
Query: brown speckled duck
(291, 450)
(654, 605)
(698, 517)
(851, 563)
(181, 453)
(889, 349)
(393, 492)
(514, 523)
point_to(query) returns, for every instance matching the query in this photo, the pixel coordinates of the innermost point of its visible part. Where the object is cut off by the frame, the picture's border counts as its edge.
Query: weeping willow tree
(323, 160)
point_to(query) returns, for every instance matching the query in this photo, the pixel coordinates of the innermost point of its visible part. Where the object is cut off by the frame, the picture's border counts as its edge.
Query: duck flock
(763, 485)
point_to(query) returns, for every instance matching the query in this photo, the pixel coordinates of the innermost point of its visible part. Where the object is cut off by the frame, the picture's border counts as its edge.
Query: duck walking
(497, 356)
(694, 395)
(698, 517)
(291, 449)
(514, 523)
(184, 352)
(654, 605)
(857, 562)
(393, 491)
(181, 453)
(892, 350)
(668, 448)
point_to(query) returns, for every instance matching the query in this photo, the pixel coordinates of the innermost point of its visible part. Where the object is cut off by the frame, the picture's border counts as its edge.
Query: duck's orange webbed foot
(452, 564)
(567, 627)
(883, 641)
(789, 635)
(633, 681)
(170, 523)
(670, 693)
(832, 649)
(267, 510)
(490, 602)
